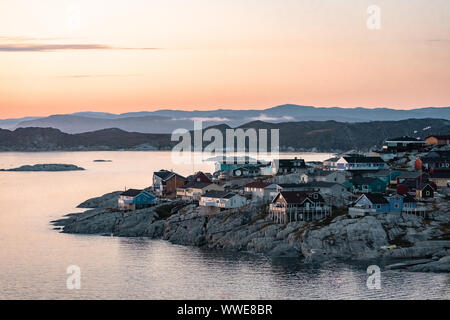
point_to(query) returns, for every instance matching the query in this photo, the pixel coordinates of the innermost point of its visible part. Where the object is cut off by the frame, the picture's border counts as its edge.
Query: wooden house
(441, 178)
(222, 199)
(425, 191)
(373, 203)
(290, 206)
(438, 140)
(438, 159)
(360, 163)
(133, 199)
(257, 190)
(360, 184)
(403, 144)
(286, 166)
(165, 183)
(194, 190)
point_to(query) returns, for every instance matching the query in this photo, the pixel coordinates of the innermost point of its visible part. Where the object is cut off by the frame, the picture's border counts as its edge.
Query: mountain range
(165, 121)
(324, 136)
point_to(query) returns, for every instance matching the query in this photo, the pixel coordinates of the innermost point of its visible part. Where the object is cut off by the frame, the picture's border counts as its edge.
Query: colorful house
(425, 190)
(286, 166)
(360, 163)
(133, 199)
(403, 144)
(366, 185)
(384, 175)
(441, 178)
(378, 203)
(194, 190)
(438, 140)
(290, 206)
(369, 203)
(257, 190)
(222, 199)
(165, 183)
(436, 160)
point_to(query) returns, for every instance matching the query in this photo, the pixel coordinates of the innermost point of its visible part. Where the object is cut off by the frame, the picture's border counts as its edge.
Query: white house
(222, 199)
(355, 163)
(256, 190)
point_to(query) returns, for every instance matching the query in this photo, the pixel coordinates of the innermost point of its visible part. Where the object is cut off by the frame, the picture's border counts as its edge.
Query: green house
(366, 185)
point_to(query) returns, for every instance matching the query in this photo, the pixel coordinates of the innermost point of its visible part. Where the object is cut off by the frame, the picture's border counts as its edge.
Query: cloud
(20, 47)
(81, 76)
(212, 119)
(263, 117)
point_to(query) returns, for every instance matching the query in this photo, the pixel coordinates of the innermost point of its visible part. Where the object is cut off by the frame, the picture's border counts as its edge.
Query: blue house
(133, 199)
(378, 203)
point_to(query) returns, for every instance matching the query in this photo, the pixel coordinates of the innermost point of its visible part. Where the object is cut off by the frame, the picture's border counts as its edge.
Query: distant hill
(325, 136)
(165, 121)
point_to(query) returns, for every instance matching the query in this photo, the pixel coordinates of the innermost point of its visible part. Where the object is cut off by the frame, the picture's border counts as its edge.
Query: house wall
(173, 183)
(440, 182)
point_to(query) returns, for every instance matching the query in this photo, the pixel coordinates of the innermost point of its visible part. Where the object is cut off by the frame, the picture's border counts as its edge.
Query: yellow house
(194, 190)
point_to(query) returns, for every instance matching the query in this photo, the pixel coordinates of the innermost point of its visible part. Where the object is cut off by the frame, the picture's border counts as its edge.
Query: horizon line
(229, 109)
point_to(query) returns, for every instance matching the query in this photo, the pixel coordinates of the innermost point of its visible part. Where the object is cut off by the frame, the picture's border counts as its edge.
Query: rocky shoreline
(422, 245)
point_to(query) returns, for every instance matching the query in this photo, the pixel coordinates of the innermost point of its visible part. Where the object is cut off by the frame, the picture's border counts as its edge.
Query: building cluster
(295, 190)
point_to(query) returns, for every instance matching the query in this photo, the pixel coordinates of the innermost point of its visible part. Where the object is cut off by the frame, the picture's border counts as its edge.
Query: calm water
(34, 258)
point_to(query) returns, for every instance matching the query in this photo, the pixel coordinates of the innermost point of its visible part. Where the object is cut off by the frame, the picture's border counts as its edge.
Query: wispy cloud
(20, 47)
(264, 117)
(82, 76)
(212, 119)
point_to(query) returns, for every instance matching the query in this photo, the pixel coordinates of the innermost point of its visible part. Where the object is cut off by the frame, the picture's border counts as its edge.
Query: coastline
(335, 238)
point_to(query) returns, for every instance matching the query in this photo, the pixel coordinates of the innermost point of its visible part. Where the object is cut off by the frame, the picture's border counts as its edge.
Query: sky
(59, 56)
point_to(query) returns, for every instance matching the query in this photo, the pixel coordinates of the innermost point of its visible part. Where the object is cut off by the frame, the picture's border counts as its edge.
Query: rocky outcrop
(46, 167)
(108, 200)
(340, 237)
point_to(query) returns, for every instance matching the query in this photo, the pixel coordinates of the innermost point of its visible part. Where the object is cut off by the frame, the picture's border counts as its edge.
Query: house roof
(131, 193)
(362, 180)
(423, 185)
(334, 159)
(404, 138)
(407, 198)
(166, 174)
(219, 194)
(199, 177)
(257, 184)
(320, 184)
(362, 159)
(324, 173)
(410, 174)
(441, 174)
(376, 198)
(283, 163)
(291, 185)
(440, 137)
(432, 155)
(196, 185)
(298, 197)
(380, 173)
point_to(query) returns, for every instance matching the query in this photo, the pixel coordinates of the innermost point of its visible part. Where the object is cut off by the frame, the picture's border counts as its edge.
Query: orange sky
(122, 56)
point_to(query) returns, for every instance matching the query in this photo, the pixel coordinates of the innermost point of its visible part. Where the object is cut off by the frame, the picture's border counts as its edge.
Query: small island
(46, 167)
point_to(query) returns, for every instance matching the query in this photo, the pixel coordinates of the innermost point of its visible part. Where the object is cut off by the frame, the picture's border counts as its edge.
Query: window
(378, 206)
